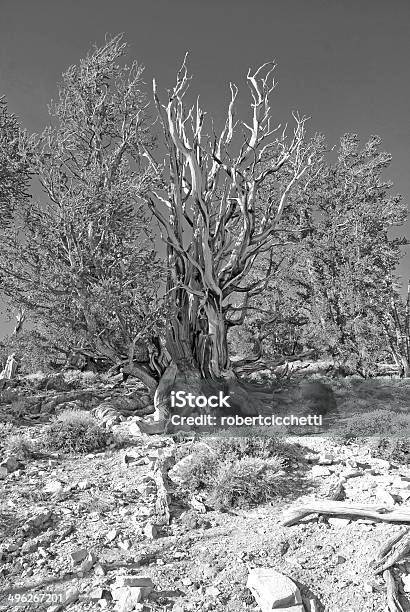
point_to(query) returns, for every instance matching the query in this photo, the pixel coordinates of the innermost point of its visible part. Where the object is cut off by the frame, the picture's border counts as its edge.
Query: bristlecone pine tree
(224, 200)
(82, 258)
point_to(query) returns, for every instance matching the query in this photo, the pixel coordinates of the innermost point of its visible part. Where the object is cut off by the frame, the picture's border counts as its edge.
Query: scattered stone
(124, 544)
(150, 531)
(351, 473)
(134, 581)
(128, 598)
(338, 522)
(78, 555)
(70, 595)
(212, 591)
(10, 464)
(326, 459)
(381, 464)
(88, 563)
(406, 582)
(131, 456)
(196, 504)
(54, 486)
(99, 570)
(112, 534)
(98, 594)
(29, 547)
(39, 520)
(384, 496)
(272, 590)
(134, 429)
(298, 608)
(401, 483)
(318, 470)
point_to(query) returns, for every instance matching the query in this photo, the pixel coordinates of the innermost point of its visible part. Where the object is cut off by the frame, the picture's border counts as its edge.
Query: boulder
(273, 590)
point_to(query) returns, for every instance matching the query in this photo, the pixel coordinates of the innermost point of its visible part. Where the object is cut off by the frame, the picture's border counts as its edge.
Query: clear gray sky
(343, 62)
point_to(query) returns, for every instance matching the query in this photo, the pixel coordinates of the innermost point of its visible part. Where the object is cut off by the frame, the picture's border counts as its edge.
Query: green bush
(76, 431)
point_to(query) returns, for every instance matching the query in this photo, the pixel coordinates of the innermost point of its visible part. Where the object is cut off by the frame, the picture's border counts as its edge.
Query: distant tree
(333, 292)
(83, 259)
(347, 253)
(14, 164)
(35, 351)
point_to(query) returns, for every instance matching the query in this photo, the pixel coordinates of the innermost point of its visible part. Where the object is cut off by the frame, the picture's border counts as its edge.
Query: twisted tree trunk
(214, 225)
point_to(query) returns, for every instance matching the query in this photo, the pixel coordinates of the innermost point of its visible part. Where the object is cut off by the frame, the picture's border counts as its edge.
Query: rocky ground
(81, 532)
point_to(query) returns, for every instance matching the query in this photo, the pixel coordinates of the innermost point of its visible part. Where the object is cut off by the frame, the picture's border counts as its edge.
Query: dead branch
(161, 468)
(336, 508)
(393, 551)
(393, 600)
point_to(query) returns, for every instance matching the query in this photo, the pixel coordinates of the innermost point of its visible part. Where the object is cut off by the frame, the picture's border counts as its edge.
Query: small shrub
(391, 449)
(234, 471)
(77, 378)
(249, 446)
(76, 431)
(197, 474)
(375, 423)
(246, 482)
(7, 430)
(386, 433)
(20, 445)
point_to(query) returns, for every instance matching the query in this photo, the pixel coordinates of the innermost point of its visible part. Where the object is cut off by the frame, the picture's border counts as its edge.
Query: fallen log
(337, 508)
(393, 601)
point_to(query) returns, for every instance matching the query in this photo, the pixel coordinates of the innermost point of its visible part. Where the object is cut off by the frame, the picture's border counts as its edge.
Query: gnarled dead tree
(222, 207)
